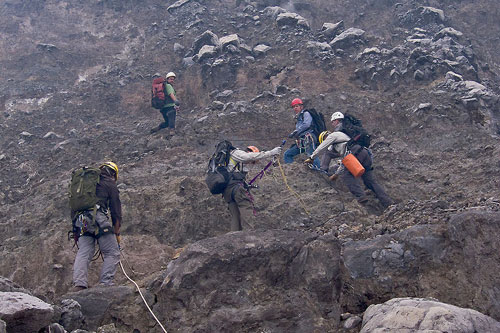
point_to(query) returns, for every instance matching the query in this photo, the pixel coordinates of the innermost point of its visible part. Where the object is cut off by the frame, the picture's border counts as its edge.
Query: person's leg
(86, 246)
(232, 206)
(353, 185)
(371, 184)
(165, 123)
(111, 256)
(171, 115)
(244, 201)
(325, 160)
(290, 153)
(235, 216)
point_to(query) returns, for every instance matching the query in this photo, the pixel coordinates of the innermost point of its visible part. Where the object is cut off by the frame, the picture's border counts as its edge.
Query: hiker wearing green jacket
(169, 110)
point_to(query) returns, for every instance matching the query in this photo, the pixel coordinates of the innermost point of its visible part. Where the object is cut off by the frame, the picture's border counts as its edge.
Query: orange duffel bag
(352, 164)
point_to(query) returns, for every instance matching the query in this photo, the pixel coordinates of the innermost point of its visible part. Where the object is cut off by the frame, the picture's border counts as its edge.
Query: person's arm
(243, 156)
(333, 138)
(116, 226)
(115, 208)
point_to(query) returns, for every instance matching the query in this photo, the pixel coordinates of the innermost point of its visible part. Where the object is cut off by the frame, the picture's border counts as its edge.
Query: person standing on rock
(99, 228)
(305, 139)
(335, 145)
(169, 110)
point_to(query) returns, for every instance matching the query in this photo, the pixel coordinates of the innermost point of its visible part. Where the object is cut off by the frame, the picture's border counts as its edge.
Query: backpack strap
(355, 149)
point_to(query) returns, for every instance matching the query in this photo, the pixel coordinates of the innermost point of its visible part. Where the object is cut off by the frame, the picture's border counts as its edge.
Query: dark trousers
(326, 158)
(240, 205)
(368, 179)
(168, 114)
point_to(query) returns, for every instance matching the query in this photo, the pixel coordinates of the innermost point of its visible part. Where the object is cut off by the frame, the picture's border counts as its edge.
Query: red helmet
(296, 101)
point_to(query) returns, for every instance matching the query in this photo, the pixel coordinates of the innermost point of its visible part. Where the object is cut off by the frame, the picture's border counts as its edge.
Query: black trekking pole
(261, 173)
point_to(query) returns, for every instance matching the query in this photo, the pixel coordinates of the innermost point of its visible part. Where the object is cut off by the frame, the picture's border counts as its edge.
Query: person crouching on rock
(335, 145)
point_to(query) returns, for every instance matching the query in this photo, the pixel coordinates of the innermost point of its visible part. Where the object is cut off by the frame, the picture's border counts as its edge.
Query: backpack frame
(318, 124)
(218, 176)
(353, 127)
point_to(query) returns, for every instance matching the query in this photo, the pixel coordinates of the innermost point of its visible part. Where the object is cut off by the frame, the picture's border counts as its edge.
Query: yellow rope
(291, 190)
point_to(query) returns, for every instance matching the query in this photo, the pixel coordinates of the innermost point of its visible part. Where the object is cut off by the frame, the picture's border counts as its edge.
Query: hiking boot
(78, 288)
(363, 200)
(155, 129)
(170, 133)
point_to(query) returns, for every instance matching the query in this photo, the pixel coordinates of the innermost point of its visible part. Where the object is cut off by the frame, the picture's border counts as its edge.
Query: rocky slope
(424, 79)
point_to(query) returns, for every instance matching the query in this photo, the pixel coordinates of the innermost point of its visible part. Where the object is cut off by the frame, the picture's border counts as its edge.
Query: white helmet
(170, 74)
(337, 115)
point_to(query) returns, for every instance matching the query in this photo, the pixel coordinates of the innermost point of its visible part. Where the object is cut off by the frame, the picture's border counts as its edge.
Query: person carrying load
(338, 144)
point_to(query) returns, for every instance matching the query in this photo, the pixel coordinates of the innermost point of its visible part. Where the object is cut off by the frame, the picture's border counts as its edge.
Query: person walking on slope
(104, 231)
(237, 193)
(169, 110)
(305, 140)
(335, 145)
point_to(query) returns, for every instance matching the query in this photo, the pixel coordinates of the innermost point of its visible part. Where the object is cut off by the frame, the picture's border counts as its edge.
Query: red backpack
(158, 93)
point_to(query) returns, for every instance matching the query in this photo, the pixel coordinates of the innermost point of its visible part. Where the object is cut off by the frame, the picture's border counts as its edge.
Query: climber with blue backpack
(309, 123)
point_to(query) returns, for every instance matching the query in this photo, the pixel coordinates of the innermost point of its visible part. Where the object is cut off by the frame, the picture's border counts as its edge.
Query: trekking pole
(263, 171)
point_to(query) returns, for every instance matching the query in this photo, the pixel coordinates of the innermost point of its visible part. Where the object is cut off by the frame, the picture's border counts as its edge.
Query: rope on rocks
(291, 190)
(144, 300)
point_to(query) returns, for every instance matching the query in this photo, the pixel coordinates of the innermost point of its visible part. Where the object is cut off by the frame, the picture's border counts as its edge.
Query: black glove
(293, 134)
(177, 102)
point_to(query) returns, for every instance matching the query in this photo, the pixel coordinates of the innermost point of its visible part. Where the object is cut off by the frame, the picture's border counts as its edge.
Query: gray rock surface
(414, 315)
(449, 264)
(86, 75)
(331, 30)
(71, 315)
(97, 306)
(225, 278)
(24, 313)
(348, 38)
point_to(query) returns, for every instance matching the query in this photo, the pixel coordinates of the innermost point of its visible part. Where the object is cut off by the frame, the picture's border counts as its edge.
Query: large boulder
(292, 20)
(7, 285)
(24, 313)
(331, 30)
(350, 37)
(206, 38)
(253, 281)
(425, 315)
(456, 264)
(99, 306)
